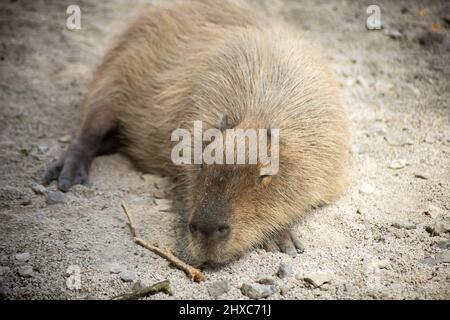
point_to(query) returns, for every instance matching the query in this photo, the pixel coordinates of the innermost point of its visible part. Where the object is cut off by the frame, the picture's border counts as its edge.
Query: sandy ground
(371, 244)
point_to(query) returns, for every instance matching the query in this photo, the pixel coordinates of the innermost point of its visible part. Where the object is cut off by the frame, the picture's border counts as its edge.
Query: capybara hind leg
(96, 138)
(285, 242)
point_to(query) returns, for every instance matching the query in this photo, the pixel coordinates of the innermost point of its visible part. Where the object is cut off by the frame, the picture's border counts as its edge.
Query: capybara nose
(210, 231)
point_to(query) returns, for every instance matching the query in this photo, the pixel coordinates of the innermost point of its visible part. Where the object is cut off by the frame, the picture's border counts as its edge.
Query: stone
(285, 271)
(39, 189)
(25, 271)
(437, 228)
(397, 164)
(366, 188)
(4, 291)
(285, 289)
(429, 261)
(398, 139)
(258, 291)
(374, 266)
(404, 225)
(22, 257)
(4, 270)
(399, 233)
(218, 288)
(443, 244)
(443, 257)
(113, 267)
(127, 276)
(267, 280)
(433, 211)
(56, 197)
(317, 279)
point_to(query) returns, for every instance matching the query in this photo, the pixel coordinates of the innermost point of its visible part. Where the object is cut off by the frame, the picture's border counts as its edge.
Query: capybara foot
(285, 242)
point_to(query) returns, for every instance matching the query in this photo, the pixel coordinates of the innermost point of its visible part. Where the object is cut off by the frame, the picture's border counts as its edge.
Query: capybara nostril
(222, 231)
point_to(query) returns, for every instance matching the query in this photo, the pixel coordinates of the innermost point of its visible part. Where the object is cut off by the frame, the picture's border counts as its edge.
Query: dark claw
(69, 171)
(285, 242)
(53, 172)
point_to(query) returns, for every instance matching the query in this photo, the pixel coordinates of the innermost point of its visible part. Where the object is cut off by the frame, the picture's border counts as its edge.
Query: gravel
(218, 288)
(56, 197)
(22, 257)
(258, 291)
(317, 279)
(25, 271)
(443, 257)
(285, 271)
(127, 276)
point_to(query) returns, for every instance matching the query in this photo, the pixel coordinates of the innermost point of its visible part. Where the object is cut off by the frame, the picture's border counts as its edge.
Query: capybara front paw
(68, 171)
(285, 242)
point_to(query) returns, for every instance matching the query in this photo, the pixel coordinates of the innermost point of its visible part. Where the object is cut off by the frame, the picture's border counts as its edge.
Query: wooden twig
(192, 272)
(130, 217)
(163, 286)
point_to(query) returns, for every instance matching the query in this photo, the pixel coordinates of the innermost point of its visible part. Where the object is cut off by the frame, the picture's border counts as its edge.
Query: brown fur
(199, 60)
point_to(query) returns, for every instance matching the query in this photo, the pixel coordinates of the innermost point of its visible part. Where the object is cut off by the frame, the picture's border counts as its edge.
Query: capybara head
(229, 205)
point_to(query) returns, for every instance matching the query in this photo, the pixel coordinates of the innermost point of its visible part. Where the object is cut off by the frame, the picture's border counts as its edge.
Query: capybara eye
(265, 180)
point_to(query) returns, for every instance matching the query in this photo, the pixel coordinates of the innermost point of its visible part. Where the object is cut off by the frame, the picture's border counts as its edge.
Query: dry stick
(163, 286)
(194, 273)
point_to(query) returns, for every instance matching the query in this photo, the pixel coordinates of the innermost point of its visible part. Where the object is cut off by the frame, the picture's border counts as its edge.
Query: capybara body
(203, 61)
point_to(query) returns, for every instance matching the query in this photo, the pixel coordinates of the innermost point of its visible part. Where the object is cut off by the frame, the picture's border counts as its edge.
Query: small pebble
(218, 288)
(398, 139)
(285, 289)
(127, 276)
(285, 271)
(397, 164)
(3, 291)
(317, 279)
(380, 264)
(25, 271)
(404, 225)
(56, 197)
(443, 257)
(433, 211)
(429, 261)
(268, 280)
(437, 228)
(39, 189)
(443, 244)
(258, 291)
(22, 257)
(4, 270)
(366, 188)
(114, 267)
